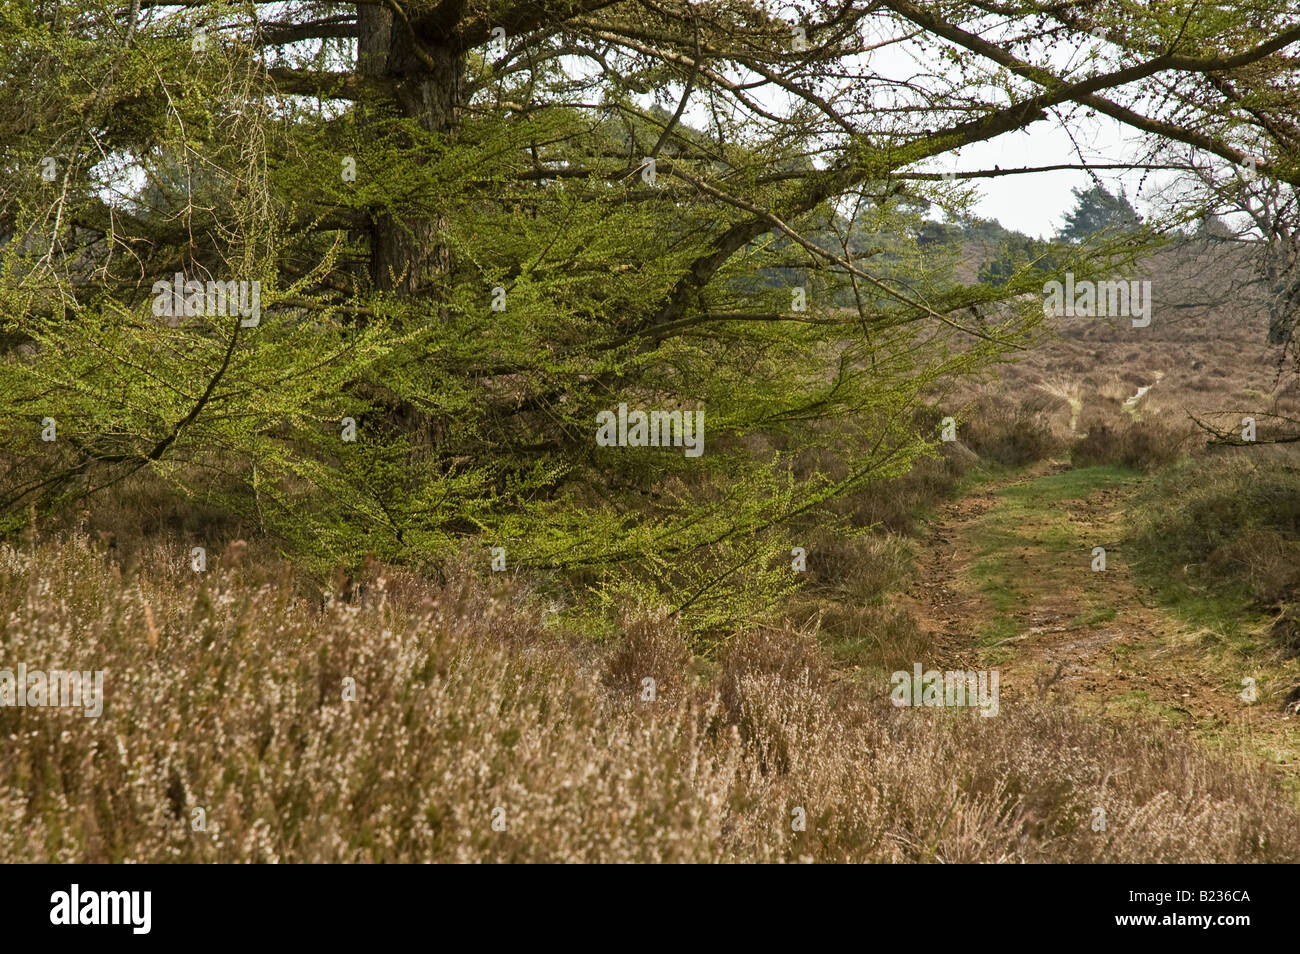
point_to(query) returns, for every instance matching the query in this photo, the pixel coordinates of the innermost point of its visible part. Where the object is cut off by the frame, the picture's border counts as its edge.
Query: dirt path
(1007, 582)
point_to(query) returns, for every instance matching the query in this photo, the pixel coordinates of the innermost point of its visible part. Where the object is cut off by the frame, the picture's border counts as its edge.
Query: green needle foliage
(463, 251)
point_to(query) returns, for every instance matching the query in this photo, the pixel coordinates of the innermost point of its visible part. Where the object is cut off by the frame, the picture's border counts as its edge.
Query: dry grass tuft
(1139, 445)
(467, 711)
(650, 647)
(1016, 431)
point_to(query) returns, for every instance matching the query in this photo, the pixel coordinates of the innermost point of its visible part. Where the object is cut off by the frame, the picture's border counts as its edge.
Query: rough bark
(428, 74)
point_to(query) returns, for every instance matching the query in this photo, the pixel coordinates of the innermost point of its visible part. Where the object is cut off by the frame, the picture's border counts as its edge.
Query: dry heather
(225, 693)
(1106, 392)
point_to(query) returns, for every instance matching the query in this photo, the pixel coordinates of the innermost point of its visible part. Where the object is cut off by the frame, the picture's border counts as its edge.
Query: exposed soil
(1095, 638)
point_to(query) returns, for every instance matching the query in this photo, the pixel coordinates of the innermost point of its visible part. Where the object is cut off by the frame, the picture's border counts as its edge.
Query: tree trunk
(407, 255)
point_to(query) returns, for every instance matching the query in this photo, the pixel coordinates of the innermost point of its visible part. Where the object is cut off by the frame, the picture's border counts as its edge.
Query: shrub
(1228, 519)
(226, 697)
(862, 568)
(895, 505)
(1013, 432)
(651, 647)
(1140, 445)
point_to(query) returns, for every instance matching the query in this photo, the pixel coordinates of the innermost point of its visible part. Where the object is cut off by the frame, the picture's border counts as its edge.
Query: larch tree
(459, 232)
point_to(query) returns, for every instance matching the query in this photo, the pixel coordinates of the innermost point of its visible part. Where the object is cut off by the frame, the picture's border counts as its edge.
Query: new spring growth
(655, 429)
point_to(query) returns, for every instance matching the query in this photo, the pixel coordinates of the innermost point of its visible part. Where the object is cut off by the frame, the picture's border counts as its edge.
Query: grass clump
(1221, 534)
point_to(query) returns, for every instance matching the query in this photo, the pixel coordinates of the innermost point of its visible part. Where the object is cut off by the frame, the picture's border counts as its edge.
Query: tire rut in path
(1065, 631)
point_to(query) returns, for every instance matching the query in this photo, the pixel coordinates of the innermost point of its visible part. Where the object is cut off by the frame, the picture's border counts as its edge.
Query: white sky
(1034, 203)
(1037, 203)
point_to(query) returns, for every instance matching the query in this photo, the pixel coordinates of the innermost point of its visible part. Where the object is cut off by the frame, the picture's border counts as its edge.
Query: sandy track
(1093, 638)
